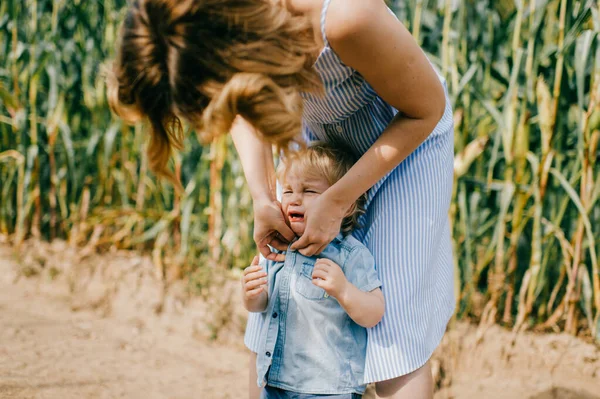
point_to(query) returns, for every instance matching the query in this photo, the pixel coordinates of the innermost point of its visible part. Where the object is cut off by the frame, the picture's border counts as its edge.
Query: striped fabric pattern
(406, 225)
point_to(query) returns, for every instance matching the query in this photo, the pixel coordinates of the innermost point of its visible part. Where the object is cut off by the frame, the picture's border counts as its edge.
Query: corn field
(524, 78)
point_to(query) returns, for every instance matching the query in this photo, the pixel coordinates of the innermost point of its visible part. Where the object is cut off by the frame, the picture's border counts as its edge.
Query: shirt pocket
(304, 285)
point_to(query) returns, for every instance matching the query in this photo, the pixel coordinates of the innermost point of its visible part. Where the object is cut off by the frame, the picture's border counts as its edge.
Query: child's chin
(298, 228)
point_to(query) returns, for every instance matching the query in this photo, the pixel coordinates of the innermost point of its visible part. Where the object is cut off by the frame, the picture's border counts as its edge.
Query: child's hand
(329, 276)
(254, 281)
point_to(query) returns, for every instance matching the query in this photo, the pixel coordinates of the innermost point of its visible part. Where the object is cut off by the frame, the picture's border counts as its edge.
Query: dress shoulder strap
(323, 14)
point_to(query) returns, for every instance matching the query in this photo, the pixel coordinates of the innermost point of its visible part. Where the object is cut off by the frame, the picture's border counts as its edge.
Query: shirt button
(326, 295)
(268, 354)
(339, 129)
(275, 315)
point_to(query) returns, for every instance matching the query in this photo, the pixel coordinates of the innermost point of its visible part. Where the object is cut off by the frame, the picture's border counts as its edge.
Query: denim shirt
(308, 343)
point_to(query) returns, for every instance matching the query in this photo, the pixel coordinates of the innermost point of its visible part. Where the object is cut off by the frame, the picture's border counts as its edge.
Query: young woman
(336, 70)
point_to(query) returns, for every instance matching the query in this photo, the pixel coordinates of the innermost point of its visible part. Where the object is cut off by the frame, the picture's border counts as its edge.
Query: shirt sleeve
(360, 270)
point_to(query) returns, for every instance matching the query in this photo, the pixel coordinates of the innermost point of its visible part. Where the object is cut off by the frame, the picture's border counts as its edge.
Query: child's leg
(253, 389)
(416, 385)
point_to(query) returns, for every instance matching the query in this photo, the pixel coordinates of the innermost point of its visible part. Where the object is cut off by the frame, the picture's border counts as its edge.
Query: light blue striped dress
(406, 225)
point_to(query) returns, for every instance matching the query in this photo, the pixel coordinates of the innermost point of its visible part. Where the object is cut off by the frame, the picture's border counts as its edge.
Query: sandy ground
(77, 325)
(48, 351)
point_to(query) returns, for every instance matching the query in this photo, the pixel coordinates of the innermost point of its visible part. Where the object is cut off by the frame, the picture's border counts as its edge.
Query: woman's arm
(369, 39)
(256, 157)
(257, 161)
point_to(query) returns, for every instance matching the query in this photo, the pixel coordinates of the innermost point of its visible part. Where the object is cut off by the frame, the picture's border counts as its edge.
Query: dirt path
(48, 351)
(78, 337)
(89, 326)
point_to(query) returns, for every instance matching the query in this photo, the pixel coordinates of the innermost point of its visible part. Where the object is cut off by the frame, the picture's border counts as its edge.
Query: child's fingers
(318, 282)
(250, 285)
(254, 276)
(326, 263)
(319, 274)
(255, 292)
(254, 261)
(322, 267)
(326, 285)
(252, 269)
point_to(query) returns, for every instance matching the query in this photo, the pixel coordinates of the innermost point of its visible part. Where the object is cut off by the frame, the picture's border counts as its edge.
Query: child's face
(299, 191)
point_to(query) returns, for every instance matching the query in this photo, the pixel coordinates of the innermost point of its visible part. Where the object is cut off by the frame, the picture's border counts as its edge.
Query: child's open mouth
(295, 217)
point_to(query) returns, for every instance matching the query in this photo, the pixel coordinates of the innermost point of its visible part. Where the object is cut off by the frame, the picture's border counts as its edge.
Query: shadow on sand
(563, 393)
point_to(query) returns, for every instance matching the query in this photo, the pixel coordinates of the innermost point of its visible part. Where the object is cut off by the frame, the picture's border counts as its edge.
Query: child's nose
(296, 198)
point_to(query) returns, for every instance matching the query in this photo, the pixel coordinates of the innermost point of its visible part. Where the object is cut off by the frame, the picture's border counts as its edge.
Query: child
(315, 311)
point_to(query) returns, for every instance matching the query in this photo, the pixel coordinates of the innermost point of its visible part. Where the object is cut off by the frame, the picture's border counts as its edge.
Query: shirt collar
(339, 237)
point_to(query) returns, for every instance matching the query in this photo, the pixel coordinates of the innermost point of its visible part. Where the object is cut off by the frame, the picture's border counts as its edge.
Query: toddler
(314, 310)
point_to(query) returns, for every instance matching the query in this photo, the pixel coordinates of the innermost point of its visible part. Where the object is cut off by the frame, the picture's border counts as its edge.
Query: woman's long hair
(207, 61)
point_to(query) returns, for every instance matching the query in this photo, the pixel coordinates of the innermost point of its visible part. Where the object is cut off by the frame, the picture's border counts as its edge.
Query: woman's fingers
(285, 232)
(276, 257)
(263, 248)
(279, 243)
(308, 245)
(276, 241)
(321, 249)
(310, 250)
(302, 242)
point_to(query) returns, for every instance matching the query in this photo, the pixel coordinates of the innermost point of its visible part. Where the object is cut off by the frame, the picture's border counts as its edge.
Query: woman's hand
(323, 222)
(271, 229)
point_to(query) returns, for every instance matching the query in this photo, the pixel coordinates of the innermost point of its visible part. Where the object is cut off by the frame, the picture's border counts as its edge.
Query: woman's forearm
(256, 157)
(398, 141)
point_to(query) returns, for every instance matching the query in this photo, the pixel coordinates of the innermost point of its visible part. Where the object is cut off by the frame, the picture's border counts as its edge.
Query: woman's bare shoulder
(311, 9)
(307, 7)
(349, 17)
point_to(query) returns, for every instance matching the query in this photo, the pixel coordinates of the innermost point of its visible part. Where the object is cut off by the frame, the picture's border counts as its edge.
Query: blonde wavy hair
(207, 61)
(330, 161)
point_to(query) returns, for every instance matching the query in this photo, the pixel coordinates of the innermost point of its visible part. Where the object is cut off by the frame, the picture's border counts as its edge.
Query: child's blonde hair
(327, 161)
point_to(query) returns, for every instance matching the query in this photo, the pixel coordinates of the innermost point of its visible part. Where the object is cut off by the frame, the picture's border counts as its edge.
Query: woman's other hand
(271, 229)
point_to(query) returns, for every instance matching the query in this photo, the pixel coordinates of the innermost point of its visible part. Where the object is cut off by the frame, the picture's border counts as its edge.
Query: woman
(337, 71)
